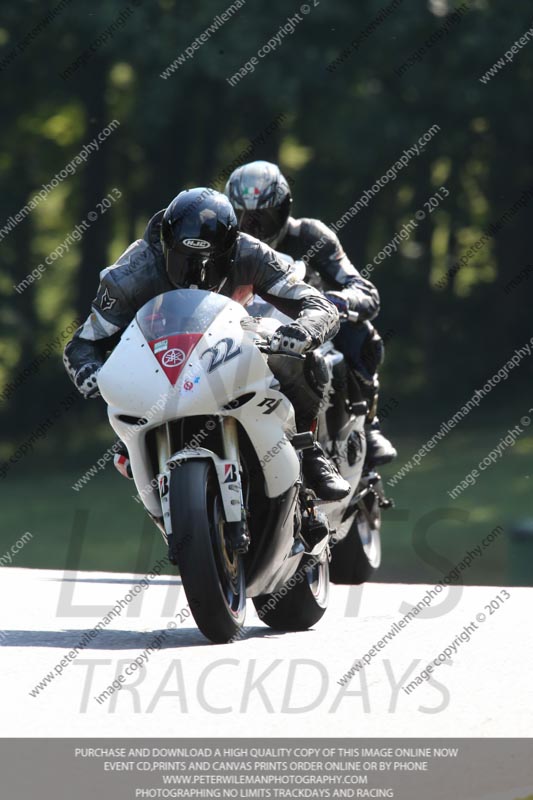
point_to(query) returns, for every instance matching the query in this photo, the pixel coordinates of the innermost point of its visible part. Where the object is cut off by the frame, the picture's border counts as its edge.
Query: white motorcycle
(214, 457)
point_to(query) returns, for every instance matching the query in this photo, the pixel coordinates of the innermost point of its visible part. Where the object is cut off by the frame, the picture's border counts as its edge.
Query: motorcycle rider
(195, 243)
(262, 200)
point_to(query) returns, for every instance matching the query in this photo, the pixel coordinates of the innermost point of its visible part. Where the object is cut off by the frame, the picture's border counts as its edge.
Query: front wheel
(301, 604)
(212, 575)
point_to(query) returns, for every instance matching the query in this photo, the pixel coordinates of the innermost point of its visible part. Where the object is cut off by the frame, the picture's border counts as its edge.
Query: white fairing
(133, 384)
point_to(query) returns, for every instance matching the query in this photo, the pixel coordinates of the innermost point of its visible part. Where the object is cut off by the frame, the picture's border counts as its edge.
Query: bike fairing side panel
(133, 384)
(132, 381)
(274, 550)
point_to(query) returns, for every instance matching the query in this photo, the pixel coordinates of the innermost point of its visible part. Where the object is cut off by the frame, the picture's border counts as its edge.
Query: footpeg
(372, 477)
(385, 502)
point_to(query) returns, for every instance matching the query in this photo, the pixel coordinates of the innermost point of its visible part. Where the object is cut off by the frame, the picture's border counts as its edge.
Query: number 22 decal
(224, 350)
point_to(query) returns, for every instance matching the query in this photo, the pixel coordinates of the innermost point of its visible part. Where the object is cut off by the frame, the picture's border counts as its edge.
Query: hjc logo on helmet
(197, 244)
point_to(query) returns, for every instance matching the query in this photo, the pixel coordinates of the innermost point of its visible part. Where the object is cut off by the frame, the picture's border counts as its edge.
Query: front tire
(212, 575)
(303, 604)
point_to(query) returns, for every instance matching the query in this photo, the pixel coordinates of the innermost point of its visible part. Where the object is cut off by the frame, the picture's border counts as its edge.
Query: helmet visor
(192, 269)
(263, 223)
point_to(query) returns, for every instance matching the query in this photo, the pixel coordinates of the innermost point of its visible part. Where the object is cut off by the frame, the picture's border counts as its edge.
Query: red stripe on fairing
(174, 358)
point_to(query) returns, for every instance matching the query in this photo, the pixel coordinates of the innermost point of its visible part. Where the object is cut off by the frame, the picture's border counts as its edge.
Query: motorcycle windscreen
(173, 323)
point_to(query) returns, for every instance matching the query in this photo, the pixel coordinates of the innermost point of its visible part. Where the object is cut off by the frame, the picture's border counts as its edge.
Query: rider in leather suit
(195, 243)
(262, 200)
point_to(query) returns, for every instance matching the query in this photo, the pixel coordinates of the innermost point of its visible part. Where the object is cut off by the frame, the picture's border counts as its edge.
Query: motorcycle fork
(162, 438)
(230, 439)
(230, 446)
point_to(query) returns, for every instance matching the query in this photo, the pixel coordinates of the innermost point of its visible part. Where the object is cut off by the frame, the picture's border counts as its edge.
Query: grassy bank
(101, 527)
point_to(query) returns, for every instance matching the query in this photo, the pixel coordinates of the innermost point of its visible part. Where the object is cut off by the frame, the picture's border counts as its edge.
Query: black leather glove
(291, 339)
(86, 382)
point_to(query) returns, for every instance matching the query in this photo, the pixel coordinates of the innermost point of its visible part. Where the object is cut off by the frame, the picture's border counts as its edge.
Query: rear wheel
(355, 558)
(302, 605)
(212, 575)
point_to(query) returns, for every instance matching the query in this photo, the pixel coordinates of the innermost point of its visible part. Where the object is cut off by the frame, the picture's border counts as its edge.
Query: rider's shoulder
(251, 249)
(152, 232)
(255, 261)
(309, 229)
(137, 260)
(247, 243)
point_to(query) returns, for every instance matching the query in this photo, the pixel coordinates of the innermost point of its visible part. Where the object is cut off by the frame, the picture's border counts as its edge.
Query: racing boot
(321, 476)
(121, 460)
(379, 450)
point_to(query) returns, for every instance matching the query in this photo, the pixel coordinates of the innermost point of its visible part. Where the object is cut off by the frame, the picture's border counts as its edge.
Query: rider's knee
(316, 372)
(364, 350)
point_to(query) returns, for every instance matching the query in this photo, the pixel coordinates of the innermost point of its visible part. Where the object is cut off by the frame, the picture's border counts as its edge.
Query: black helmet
(198, 232)
(262, 200)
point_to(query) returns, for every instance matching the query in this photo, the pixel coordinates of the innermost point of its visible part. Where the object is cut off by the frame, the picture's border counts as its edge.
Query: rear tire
(303, 604)
(212, 576)
(356, 558)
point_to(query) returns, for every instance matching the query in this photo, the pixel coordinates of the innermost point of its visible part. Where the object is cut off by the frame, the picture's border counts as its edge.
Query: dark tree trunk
(95, 241)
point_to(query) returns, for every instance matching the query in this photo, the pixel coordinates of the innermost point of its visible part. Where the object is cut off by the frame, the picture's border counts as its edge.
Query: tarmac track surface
(270, 683)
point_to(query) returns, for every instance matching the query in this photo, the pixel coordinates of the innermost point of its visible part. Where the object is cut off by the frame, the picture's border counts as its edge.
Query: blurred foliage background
(341, 129)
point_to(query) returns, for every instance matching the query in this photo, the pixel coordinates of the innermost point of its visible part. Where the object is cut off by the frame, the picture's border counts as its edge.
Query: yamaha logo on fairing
(197, 244)
(174, 357)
